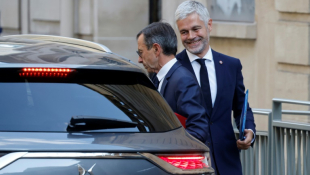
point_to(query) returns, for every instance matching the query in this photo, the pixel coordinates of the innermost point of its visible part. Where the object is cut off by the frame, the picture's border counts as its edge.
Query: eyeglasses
(139, 53)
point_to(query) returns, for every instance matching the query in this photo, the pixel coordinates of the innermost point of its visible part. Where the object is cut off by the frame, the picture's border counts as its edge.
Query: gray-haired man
(221, 81)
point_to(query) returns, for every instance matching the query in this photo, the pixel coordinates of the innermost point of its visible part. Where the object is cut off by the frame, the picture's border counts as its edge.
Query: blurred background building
(270, 37)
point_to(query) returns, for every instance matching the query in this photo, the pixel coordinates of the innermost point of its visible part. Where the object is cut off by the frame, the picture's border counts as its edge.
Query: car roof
(57, 51)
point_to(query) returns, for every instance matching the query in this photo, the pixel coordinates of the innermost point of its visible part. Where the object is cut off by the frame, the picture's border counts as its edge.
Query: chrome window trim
(81, 155)
(9, 158)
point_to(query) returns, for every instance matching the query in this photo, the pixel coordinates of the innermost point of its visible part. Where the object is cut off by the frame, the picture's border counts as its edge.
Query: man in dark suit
(157, 46)
(221, 81)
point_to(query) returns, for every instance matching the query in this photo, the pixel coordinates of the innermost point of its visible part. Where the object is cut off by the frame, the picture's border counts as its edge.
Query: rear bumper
(93, 163)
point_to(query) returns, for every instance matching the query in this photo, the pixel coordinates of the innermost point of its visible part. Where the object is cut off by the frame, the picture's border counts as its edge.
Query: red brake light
(44, 72)
(186, 162)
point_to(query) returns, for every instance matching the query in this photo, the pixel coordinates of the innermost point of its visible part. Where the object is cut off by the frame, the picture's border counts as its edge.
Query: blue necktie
(155, 81)
(205, 85)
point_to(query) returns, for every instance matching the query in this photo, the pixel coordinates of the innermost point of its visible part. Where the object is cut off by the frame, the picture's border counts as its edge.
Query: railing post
(269, 156)
(276, 115)
(276, 110)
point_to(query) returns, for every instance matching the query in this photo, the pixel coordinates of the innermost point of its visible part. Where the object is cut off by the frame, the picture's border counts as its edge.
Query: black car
(69, 106)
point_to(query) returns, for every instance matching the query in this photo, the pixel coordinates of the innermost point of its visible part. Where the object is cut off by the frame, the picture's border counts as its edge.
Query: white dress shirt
(163, 72)
(211, 74)
(211, 71)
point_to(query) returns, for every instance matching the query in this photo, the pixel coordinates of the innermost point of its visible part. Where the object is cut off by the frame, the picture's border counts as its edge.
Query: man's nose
(140, 60)
(191, 34)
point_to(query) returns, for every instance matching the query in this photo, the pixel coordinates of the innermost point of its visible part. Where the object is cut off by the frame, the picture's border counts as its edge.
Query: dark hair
(161, 33)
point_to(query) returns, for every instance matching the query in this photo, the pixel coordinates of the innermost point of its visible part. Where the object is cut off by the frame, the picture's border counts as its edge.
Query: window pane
(232, 10)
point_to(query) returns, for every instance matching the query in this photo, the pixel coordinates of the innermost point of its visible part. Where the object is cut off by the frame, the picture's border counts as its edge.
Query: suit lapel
(168, 75)
(219, 71)
(184, 60)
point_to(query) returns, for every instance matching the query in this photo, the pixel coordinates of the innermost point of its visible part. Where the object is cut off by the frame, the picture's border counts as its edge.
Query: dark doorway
(155, 11)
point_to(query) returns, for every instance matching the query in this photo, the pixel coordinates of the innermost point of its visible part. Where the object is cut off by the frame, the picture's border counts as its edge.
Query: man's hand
(246, 143)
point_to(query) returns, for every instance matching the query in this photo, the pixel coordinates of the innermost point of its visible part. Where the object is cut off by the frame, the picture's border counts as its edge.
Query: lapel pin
(221, 62)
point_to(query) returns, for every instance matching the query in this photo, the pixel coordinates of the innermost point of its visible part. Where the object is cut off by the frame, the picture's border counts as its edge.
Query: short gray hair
(189, 7)
(161, 33)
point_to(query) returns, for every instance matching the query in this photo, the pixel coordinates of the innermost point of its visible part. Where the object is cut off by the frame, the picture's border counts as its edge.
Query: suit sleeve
(238, 101)
(190, 105)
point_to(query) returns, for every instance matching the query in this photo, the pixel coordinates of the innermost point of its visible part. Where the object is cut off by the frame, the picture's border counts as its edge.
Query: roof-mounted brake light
(45, 72)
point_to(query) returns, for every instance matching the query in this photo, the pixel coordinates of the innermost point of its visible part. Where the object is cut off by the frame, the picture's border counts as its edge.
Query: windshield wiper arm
(84, 123)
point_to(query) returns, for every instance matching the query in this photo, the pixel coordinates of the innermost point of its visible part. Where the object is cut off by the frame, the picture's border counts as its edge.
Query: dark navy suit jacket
(182, 92)
(230, 97)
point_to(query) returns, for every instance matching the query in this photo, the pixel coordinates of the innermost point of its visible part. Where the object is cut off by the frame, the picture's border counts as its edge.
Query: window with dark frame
(232, 10)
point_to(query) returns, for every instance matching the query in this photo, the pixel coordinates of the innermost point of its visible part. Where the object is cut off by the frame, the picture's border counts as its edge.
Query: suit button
(208, 143)
(211, 123)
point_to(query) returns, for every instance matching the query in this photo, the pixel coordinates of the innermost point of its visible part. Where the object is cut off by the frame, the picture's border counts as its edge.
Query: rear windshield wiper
(84, 123)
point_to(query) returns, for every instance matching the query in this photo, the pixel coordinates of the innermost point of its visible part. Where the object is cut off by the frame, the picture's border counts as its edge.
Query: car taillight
(45, 72)
(186, 162)
(195, 163)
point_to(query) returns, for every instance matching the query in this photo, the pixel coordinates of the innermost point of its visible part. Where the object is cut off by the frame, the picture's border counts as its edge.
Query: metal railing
(288, 139)
(282, 150)
(255, 160)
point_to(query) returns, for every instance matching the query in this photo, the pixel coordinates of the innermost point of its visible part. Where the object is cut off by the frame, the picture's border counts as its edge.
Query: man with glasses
(157, 47)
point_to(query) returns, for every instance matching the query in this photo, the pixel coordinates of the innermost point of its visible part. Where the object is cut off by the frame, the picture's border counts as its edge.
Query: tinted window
(44, 106)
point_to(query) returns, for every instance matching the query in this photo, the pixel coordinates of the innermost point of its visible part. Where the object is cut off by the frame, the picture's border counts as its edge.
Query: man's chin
(194, 50)
(149, 70)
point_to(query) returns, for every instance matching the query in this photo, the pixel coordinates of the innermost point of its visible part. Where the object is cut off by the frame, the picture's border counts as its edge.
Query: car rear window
(47, 105)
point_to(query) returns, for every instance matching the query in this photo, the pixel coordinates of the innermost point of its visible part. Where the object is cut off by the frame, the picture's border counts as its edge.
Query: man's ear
(157, 49)
(210, 25)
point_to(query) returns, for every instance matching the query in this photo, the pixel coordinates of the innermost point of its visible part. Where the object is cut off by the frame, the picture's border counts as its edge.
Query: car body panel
(132, 142)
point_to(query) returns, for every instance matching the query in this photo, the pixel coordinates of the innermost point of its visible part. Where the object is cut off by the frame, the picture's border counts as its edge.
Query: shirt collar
(165, 69)
(193, 57)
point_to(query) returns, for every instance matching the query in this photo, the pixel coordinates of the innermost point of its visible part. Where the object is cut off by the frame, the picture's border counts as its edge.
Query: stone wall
(112, 23)
(274, 51)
